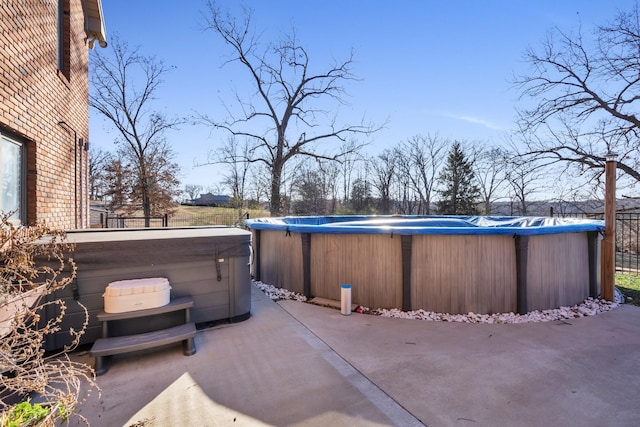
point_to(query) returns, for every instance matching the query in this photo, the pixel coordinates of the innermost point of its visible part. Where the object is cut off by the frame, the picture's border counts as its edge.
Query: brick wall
(35, 97)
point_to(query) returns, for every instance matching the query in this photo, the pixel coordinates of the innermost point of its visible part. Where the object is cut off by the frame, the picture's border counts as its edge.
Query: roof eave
(94, 23)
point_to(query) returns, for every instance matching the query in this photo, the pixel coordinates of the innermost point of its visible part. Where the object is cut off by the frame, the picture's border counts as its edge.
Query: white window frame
(17, 170)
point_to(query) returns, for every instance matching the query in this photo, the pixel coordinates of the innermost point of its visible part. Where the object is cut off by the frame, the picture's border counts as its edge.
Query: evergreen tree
(311, 189)
(460, 193)
(361, 201)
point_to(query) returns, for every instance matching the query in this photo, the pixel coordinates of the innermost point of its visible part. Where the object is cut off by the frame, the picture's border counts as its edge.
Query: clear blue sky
(426, 66)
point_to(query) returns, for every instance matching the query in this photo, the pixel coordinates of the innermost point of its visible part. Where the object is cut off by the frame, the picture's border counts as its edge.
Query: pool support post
(592, 248)
(609, 241)
(306, 264)
(522, 252)
(406, 243)
(256, 255)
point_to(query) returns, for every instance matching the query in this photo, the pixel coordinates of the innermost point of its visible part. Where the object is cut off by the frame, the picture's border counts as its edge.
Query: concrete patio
(293, 363)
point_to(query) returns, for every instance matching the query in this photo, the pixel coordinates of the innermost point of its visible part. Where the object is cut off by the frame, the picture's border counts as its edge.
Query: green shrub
(24, 414)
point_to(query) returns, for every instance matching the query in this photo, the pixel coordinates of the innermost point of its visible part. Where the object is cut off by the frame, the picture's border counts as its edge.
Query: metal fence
(189, 220)
(627, 239)
(628, 242)
(112, 220)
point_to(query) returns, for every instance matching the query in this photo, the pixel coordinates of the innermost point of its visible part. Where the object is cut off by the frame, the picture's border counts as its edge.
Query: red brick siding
(35, 97)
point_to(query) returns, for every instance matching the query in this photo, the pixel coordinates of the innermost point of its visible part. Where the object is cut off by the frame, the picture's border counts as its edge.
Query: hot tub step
(128, 343)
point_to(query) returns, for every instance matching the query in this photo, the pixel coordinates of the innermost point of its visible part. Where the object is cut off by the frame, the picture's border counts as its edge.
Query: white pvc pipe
(345, 300)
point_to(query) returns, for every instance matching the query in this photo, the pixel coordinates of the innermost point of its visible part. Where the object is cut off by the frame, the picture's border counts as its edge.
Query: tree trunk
(146, 208)
(276, 202)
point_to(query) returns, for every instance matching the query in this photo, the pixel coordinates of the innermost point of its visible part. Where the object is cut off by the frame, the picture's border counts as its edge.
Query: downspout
(75, 169)
(83, 147)
(85, 179)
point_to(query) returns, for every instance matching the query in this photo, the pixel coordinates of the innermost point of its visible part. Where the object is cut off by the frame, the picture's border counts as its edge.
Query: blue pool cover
(409, 225)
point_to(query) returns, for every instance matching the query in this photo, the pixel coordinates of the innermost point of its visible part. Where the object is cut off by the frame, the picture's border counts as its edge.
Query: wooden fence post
(609, 241)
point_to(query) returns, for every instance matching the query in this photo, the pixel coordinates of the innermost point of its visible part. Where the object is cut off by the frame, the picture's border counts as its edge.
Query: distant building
(44, 108)
(209, 199)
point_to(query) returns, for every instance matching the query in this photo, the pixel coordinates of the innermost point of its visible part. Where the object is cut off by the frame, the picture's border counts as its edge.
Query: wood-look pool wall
(371, 263)
(558, 270)
(459, 274)
(280, 260)
(441, 273)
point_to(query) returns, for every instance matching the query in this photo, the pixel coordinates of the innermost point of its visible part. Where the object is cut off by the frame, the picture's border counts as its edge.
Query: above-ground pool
(436, 263)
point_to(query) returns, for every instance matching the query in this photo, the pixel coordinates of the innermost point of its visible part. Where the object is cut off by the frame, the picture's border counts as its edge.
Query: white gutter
(94, 23)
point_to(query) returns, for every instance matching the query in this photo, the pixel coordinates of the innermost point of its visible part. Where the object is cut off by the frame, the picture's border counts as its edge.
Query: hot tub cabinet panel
(442, 264)
(209, 264)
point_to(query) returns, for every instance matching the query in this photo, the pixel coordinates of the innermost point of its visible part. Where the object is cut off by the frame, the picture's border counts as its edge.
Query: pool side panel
(459, 274)
(371, 263)
(281, 259)
(558, 270)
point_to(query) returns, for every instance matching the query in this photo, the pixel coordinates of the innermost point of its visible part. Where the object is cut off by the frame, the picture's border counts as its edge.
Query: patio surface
(298, 364)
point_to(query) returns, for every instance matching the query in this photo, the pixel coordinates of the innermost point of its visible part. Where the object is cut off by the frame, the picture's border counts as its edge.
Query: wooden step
(128, 343)
(174, 305)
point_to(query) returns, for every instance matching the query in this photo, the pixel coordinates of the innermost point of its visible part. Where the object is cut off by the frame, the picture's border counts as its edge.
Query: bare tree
(403, 195)
(125, 185)
(124, 85)
(282, 119)
(290, 174)
(384, 169)
(523, 176)
(331, 175)
(258, 185)
(591, 88)
(192, 191)
(117, 181)
(98, 161)
(348, 167)
(569, 198)
(215, 189)
(419, 160)
(235, 156)
(489, 167)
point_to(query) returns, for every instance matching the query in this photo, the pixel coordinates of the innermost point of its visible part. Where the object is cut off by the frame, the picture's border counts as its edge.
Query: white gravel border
(589, 307)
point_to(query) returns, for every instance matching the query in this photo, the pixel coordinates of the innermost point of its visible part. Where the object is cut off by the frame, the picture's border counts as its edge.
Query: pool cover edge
(416, 225)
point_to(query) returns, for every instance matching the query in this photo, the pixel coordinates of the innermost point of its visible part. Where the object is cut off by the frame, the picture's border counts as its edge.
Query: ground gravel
(589, 307)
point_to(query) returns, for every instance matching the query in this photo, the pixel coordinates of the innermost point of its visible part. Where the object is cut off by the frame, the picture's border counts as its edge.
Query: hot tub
(210, 264)
(437, 263)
